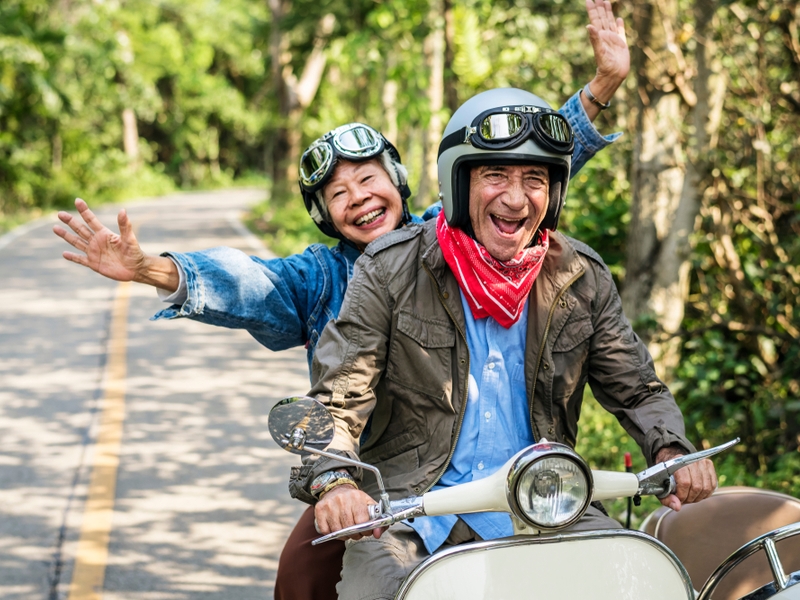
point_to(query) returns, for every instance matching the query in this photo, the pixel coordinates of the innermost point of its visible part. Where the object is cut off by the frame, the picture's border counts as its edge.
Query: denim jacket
(286, 302)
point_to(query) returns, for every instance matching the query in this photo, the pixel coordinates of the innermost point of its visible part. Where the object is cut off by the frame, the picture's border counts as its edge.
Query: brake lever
(385, 520)
(658, 480)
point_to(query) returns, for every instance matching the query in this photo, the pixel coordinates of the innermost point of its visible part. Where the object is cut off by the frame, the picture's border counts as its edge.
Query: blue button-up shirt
(496, 422)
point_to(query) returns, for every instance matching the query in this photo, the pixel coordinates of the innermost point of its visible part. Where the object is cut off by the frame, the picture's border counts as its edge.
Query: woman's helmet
(355, 142)
(503, 126)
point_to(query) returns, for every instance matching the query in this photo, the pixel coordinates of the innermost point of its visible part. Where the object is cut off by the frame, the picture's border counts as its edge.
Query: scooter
(545, 488)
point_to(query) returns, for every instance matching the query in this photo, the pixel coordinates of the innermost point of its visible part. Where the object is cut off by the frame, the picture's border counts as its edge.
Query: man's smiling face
(506, 206)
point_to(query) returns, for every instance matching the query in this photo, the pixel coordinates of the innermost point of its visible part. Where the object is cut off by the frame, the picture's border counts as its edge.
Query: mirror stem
(385, 504)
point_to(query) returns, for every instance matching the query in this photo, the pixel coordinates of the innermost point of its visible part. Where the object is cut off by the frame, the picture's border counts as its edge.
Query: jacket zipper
(544, 342)
(466, 386)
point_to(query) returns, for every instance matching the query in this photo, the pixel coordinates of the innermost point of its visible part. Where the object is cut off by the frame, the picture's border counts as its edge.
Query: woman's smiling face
(362, 201)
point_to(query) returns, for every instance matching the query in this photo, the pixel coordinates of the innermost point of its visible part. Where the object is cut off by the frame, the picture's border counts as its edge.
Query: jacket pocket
(570, 352)
(390, 448)
(574, 332)
(420, 354)
(428, 333)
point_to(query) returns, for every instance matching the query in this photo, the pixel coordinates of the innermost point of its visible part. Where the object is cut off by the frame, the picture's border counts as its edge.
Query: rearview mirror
(301, 425)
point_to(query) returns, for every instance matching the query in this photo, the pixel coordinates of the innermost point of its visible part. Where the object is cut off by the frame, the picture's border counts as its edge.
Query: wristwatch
(329, 480)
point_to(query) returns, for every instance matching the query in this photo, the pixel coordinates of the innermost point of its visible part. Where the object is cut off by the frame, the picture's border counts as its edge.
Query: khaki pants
(375, 569)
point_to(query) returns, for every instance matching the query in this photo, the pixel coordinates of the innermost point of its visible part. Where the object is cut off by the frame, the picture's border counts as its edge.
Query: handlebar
(658, 480)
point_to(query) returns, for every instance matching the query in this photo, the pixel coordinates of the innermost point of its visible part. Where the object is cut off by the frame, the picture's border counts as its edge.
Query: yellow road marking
(92, 553)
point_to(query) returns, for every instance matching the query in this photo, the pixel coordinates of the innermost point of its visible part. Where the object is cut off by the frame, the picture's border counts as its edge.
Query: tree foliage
(212, 90)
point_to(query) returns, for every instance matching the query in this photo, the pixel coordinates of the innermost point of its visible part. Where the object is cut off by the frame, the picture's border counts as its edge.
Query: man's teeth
(507, 225)
(370, 216)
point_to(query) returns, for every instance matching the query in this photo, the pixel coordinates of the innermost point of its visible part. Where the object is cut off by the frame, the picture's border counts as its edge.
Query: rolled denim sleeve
(588, 141)
(271, 299)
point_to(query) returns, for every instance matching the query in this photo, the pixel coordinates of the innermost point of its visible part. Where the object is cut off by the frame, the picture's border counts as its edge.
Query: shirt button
(491, 366)
(488, 415)
(480, 466)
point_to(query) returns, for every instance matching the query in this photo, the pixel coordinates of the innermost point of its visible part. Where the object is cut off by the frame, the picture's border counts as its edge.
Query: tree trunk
(294, 96)
(450, 79)
(389, 101)
(667, 173)
(130, 136)
(652, 296)
(435, 49)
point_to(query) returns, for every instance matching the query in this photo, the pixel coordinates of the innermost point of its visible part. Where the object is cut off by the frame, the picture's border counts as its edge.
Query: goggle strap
(458, 137)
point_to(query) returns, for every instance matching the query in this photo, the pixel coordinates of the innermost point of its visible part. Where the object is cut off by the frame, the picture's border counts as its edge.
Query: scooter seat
(703, 535)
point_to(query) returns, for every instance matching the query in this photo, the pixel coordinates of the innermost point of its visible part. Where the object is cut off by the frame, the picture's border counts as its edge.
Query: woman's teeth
(370, 217)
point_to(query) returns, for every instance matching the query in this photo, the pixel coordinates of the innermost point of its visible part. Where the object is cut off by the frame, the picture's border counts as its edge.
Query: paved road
(200, 508)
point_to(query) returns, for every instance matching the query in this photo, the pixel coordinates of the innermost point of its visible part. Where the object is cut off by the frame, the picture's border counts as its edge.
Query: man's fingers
(686, 490)
(672, 502)
(621, 30)
(696, 481)
(594, 36)
(709, 478)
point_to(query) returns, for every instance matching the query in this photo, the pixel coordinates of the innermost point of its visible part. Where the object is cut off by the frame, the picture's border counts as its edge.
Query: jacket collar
(433, 259)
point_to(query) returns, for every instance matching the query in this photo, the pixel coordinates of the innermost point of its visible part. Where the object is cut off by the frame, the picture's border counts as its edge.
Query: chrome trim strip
(524, 540)
(744, 552)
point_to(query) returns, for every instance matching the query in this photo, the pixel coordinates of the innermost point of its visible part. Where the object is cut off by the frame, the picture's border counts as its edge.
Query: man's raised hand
(609, 43)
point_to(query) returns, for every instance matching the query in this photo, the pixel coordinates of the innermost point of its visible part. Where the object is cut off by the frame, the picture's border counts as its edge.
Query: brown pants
(307, 572)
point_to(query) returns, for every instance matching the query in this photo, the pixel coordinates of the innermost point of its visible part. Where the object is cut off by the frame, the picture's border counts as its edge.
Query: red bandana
(492, 288)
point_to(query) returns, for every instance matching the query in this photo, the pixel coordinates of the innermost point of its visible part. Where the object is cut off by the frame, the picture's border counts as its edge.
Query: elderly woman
(355, 188)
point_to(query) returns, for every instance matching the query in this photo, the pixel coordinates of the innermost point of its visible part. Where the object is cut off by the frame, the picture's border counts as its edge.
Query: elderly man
(468, 338)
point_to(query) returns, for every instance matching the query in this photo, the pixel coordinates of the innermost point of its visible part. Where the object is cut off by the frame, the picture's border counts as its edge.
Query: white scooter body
(601, 565)
(539, 561)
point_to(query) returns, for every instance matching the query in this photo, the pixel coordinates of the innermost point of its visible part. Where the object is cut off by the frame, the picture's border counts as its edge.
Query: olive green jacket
(398, 354)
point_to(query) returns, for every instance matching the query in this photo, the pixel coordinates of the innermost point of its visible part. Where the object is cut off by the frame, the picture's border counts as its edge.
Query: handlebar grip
(374, 511)
(670, 488)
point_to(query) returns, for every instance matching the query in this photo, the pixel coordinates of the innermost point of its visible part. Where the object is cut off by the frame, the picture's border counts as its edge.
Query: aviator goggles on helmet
(354, 141)
(507, 127)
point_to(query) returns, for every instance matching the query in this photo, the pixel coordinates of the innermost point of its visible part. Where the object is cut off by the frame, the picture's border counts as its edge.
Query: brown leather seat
(703, 535)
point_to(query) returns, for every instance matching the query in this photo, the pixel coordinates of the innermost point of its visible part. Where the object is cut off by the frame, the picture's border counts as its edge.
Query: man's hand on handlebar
(695, 482)
(342, 507)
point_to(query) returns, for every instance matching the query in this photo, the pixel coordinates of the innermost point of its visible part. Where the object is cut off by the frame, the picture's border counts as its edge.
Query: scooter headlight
(549, 486)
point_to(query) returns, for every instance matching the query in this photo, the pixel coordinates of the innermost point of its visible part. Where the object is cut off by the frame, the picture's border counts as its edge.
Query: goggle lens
(555, 127)
(314, 163)
(357, 141)
(501, 126)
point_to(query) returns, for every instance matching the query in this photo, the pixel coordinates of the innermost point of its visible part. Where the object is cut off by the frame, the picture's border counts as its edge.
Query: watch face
(324, 479)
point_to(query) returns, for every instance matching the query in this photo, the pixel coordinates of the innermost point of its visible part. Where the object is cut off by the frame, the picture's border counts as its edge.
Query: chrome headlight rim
(527, 459)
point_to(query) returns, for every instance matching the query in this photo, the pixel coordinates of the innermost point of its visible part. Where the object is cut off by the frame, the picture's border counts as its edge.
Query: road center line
(92, 552)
